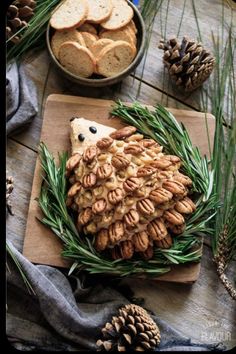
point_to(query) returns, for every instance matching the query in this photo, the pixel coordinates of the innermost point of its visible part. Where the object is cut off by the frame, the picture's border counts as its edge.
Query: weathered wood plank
(202, 311)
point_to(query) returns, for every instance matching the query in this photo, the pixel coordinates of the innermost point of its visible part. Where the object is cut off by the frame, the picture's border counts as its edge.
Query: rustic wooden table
(203, 311)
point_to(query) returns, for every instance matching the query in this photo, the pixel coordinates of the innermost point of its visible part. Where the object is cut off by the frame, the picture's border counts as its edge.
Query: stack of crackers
(94, 36)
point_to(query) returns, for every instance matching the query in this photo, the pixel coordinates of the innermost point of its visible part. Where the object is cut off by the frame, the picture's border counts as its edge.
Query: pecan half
(116, 232)
(119, 161)
(145, 206)
(131, 184)
(123, 132)
(173, 217)
(185, 180)
(140, 241)
(148, 254)
(173, 158)
(145, 171)
(156, 229)
(89, 180)
(160, 195)
(161, 164)
(133, 149)
(165, 242)
(73, 161)
(148, 143)
(131, 218)
(134, 137)
(174, 187)
(74, 189)
(85, 216)
(99, 206)
(101, 240)
(126, 249)
(185, 206)
(104, 143)
(177, 229)
(115, 196)
(115, 253)
(104, 171)
(89, 154)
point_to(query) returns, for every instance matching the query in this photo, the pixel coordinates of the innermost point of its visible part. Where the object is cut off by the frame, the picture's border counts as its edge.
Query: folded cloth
(64, 315)
(21, 98)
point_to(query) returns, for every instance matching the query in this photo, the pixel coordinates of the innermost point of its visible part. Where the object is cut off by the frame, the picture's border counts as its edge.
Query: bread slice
(77, 59)
(60, 37)
(69, 14)
(89, 39)
(114, 58)
(121, 15)
(133, 26)
(87, 27)
(99, 45)
(81, 126)
(99, 10)
(81, 39)
(119, 35)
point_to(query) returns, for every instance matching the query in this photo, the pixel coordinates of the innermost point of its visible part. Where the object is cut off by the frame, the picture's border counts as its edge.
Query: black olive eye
(93, 130)
(81, 137)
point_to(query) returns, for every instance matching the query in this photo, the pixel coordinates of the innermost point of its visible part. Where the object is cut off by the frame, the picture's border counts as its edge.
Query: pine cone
(132, 329)
(188, 63)
(18, 15)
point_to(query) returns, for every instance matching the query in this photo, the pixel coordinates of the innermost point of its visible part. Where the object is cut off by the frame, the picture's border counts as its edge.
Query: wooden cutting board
(40, 244)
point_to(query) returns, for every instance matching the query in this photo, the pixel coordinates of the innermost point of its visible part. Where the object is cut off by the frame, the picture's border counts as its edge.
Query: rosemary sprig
(79, 247)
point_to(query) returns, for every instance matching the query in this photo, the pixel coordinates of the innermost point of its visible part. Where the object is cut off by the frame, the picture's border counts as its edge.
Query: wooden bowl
(99, 81)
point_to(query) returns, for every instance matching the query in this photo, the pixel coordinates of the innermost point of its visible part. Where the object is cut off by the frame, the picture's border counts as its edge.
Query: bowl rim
(106, 80)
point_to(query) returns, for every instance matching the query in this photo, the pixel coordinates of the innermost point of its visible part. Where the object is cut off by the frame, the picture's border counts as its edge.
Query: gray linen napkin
(61, 318)
(21, 98)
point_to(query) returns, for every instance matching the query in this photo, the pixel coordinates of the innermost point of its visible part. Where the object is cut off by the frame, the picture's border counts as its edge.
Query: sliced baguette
(114, 58)
(87, 27)
(77, 59)
(121, 15)
(99, 45)
(89, 39)
(70, 14)
(99, 10)
(60, 37)
(119, 35)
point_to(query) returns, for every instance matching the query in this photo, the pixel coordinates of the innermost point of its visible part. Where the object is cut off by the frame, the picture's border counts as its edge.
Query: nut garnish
(160, 195)
(145, 206)
(85, 216)
(185, 180)
(148, 143)
(185, 206)
(156, 229)
(145, 171)
(173, 217)
(89, 180)
(131, 218)
(73, 161)
(104, 171)
(89, 154)
(115, 196)
(116, 232)
(119, 161)
(104, 143)
(99, 206)
(74, 189)
(161, 164)
(174, 187)
(177, 229)
(140, 241)
(115, 253)
(126, 249)
(101, 240)
(148, 254)
(134, 137)
(131, 184)
(123, 132)
(133, 149)
(165, 242)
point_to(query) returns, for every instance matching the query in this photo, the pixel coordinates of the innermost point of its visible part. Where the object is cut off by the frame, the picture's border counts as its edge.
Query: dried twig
(9, 189)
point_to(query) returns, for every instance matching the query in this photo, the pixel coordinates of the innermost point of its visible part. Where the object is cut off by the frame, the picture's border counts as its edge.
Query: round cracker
(119, 35)
(77, 59)
(115, 58)
(87, 27)
(99, 45)
(60, 37)
(99, 10)
(89, 39)
(69, 14)
(121, 15)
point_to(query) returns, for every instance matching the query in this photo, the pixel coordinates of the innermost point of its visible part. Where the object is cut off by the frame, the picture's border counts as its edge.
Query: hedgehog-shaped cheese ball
(126, 192)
